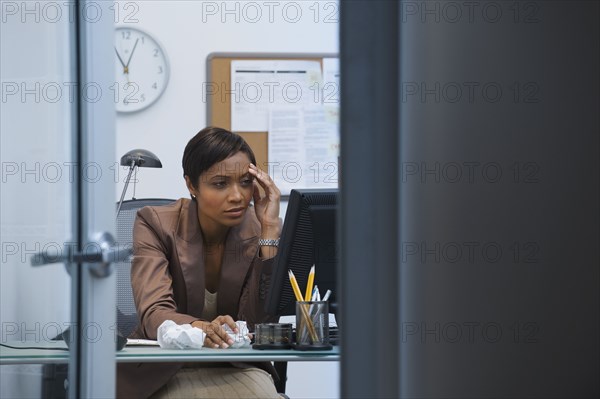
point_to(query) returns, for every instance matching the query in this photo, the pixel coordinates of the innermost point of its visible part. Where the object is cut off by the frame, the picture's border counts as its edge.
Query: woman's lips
(236, 212)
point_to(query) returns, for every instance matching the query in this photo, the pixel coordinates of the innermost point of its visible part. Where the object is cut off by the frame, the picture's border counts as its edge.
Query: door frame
(93, 300)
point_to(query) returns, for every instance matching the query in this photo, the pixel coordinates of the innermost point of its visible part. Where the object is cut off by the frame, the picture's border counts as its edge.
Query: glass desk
(55, 352)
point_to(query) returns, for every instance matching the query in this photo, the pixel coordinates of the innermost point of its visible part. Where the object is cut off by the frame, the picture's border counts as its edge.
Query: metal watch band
(272, 243)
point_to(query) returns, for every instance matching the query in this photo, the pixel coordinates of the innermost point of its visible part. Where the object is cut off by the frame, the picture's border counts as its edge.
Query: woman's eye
(247, 182)
(219, 184)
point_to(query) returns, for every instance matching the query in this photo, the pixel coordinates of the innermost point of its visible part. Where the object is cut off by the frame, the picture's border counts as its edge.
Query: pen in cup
(315, 294)
(325, 298)
(316, 297)
(318, 314)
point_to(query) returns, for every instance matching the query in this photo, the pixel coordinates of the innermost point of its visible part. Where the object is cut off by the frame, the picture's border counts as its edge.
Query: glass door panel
(57, 197)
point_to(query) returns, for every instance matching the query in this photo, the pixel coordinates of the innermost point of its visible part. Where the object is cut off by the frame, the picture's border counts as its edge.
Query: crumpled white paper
(175, 336)
(242, 338)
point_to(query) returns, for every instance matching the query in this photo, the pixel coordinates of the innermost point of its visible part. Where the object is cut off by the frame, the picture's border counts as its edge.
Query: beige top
(210, 305)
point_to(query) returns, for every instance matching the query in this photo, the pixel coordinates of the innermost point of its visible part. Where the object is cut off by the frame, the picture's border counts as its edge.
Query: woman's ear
(190, 186)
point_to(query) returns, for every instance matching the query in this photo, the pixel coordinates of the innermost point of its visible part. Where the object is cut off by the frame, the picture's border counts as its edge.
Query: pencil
(309, 285)
(298, 294)
(295, 286)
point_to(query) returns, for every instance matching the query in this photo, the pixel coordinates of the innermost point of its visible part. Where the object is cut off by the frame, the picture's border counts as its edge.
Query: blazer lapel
(189, 250)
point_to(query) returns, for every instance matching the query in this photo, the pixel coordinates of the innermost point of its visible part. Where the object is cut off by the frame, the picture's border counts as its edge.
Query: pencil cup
(312, 325)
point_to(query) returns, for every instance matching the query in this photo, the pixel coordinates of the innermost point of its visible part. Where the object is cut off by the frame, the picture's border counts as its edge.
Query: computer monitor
(308, 237)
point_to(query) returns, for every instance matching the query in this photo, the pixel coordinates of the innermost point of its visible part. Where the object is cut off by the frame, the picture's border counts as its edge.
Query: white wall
(189, 32)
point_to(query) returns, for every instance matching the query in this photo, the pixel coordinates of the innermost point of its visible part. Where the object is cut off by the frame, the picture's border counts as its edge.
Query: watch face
(142, 70)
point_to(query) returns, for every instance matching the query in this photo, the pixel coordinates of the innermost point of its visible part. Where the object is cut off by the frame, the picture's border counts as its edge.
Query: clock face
(142, 70)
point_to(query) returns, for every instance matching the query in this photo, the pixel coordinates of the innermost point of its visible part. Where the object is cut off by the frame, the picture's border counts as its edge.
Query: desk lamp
(137, 158)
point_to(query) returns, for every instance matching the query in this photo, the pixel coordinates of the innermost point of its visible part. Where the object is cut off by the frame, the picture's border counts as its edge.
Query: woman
(206, 262)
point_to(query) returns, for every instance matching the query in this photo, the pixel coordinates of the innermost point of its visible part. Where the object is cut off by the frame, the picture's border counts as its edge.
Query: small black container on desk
(273, 336)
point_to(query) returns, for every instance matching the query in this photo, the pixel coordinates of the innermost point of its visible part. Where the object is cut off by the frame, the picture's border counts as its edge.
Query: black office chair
(127, 318)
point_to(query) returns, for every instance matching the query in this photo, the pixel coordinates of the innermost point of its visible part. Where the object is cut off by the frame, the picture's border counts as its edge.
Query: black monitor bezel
(280, 298)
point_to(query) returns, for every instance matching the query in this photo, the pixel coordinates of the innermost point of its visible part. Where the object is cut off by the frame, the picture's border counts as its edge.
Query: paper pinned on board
(259, 85)
(303, 148)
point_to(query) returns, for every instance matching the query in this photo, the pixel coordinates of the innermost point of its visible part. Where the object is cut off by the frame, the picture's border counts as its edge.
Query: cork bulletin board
(218, 85)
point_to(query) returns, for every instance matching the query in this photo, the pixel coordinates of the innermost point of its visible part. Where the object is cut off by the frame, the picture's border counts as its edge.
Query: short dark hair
(210, 146)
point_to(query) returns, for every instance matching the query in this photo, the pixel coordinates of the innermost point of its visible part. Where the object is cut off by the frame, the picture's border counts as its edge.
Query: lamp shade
(141, 158)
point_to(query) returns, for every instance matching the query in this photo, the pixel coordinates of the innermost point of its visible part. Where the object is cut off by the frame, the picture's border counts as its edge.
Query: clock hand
(131, 55)
(119, 57)
(125, 69)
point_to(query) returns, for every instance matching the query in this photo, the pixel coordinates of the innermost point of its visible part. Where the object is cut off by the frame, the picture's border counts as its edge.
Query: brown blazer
(167, 278)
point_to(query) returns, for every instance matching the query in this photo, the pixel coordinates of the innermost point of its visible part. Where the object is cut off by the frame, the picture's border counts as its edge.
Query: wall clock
(142, 69)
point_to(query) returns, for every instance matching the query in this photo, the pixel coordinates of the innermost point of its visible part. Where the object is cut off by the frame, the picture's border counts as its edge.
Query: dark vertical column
(369, 198)
(499, 191)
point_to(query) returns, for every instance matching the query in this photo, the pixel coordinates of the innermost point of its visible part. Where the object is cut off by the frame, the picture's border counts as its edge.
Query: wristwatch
(272, 243)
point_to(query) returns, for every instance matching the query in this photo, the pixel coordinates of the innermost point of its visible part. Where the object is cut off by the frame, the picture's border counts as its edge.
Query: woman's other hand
(267, 206)
(216, 336)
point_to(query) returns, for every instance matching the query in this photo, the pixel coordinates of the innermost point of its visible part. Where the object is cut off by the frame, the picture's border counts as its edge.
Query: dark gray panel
(369, 200)
(499, 191)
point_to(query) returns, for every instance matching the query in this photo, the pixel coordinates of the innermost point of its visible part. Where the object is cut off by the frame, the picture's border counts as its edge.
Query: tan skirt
(218, 382)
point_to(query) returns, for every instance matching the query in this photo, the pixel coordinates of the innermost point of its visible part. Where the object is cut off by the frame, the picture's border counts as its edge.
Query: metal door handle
(101, 253)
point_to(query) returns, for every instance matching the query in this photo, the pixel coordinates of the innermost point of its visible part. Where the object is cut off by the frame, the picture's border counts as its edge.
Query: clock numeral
(156, 52)
(142, 98)
(154, 86)
(160, 70)
(126, 34)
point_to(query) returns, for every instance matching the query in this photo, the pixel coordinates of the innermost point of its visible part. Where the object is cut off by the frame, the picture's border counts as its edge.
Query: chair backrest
(127, 318)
